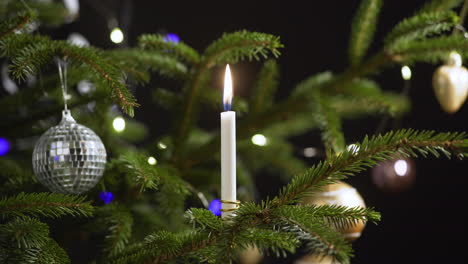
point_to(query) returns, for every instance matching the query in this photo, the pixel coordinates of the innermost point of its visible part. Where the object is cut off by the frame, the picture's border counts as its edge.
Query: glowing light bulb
(85, 87)
(152, 161)
(259, 140)
(215, 207)
(106, 197)
(119, 124)
(161, 145)
(172, 37)
(117, 35)
(310, 152)
(406, 72)
(401, 167)
(4, 146)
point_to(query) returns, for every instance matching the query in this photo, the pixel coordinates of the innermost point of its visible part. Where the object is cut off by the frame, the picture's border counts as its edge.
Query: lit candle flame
(227, 94)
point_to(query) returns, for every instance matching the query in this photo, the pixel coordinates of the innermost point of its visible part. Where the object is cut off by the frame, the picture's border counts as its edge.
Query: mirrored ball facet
(69, 157)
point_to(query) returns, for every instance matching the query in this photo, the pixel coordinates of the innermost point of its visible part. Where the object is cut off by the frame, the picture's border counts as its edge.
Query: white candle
(228, 148)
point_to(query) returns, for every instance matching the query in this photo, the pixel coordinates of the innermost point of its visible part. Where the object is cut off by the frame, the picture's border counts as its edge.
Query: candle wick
(227, 106)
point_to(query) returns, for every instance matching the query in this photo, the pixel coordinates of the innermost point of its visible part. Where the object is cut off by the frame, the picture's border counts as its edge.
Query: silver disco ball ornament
(69, 157)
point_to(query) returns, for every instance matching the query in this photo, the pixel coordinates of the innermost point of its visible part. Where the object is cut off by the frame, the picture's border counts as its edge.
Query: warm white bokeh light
(310, 152)
(117, 35)
(161, 145)
(152, 161)
(401, 167)
(259, 140)
(119, 124)
(406, 72)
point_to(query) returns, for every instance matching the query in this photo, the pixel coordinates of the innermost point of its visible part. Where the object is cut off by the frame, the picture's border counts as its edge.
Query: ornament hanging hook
(62, 68)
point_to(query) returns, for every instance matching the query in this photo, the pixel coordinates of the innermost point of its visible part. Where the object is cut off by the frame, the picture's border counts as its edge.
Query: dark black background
(421, 225)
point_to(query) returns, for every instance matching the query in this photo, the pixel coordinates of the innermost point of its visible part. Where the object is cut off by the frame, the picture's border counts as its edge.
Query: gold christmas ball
(315, 259)
(250, 256)
(341, 193)
(450, 84)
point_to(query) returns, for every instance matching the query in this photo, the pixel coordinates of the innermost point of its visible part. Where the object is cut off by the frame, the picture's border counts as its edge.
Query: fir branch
(166, 98)
(110, 74)
(363, 29)
(138, 170)
(178, 50)
(50, 253)
(377, 148)
(163, 246)
(233, 47)
(277, 156)
(265, 88)
(132, 59)
(432, 50)
(306, 87)
(340, 216)
(357, 87)
(300, 124)
(204, 219)
(12, 25)
(439, 5)
(24, 233)
(318, 237)
(421, 26)
(118, 221)
(143, 175)
(354, 106)
(329, 123)
(53, 205)
(188, 110)
(30, 53)
(48, 13)
(275, 240)
(26, 240)
(31, 59)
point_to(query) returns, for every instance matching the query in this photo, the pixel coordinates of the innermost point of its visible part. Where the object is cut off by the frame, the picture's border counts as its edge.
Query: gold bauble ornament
(251, 255)
(450, 84)
(343, 194)
(315, 259)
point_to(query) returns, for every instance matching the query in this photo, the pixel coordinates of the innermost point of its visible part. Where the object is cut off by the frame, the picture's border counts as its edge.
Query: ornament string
(62, 68)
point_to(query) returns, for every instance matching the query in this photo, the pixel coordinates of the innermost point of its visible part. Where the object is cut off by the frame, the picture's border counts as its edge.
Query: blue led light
(172, 37)
(215, 207)
(106, 197)
(4, 146)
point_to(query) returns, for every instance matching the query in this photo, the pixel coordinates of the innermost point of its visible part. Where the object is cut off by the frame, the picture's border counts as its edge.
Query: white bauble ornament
(343, 194)
(69, 157)
(450, 84)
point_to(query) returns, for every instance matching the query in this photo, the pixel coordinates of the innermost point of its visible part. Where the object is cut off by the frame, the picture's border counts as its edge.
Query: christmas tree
(157, 200)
